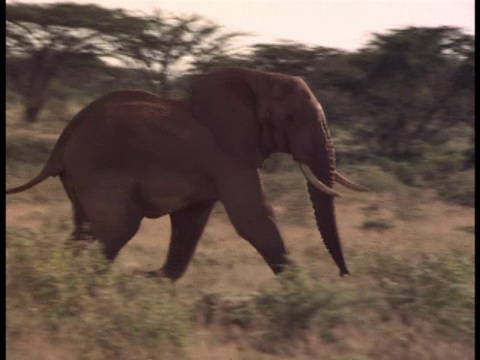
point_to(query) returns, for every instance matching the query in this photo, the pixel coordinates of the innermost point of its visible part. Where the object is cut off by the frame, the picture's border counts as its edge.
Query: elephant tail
(52, 168)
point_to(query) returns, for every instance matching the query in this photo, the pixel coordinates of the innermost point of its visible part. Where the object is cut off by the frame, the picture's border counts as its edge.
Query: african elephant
(132, 154)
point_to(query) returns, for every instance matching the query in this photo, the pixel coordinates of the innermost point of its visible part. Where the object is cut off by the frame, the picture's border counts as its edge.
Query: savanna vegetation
(401, 112)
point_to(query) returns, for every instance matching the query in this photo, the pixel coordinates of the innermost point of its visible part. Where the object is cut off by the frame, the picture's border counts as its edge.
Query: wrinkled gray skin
(131, 154)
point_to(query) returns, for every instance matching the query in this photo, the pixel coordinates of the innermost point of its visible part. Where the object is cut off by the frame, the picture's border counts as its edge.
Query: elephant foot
(84, 232)
(80, 246)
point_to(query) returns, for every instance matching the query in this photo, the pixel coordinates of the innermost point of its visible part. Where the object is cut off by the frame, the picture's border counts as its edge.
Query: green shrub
(439, 162)
(54, 278)
(376, 178)
(377, 224)
(136, 312)
(71, 286)
(437, 289)
(408, 173)
(295, 307)
(28, 150)
(285, 315)
(458, 188)
(467, 229)
(213, 308)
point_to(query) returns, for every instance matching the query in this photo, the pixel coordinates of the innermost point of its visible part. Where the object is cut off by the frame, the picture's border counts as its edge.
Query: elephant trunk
(320, 159)
(324, 209)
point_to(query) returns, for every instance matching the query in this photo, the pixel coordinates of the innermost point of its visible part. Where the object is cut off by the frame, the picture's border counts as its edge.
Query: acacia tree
(44, 39)
(288, 57)
(167, 42)
(47, 38)
(417, 84)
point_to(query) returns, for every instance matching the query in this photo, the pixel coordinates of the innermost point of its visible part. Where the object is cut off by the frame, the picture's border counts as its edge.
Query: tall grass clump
(295, 307)
(72, 290)
(458, 188)
(279, 319)
(438, 289)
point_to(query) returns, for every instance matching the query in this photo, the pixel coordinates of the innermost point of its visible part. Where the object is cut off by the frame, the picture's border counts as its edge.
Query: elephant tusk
(341, 179)
(315, 182)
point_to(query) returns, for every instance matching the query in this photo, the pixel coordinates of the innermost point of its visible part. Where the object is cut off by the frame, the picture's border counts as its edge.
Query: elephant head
(253, 114)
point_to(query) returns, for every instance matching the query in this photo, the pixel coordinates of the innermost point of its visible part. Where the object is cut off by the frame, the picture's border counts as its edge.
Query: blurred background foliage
(404, 101)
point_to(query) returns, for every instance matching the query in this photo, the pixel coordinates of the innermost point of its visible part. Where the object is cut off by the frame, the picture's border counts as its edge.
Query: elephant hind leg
(187, 227)
(82, 226)
(114, 220)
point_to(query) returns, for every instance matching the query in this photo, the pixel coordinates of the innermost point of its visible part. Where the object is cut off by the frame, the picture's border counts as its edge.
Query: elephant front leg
(242, 195)
(187, 227)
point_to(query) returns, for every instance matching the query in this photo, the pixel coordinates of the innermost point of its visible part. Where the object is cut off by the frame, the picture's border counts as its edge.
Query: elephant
(132, 154)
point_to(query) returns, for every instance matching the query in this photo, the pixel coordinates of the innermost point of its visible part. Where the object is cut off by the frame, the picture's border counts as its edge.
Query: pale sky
(343, 24)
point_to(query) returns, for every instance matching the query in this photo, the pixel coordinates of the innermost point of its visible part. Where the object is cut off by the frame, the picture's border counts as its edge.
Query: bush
(458, 188)
(72, 287)
(213, 308)
(433, 288)
(408, 173)
(438, 162)
(375, 177)
(441, 171)
(377, 224)
(27, 150)
(135, 312)
(284, 315)
(467, 229)
(295, 307)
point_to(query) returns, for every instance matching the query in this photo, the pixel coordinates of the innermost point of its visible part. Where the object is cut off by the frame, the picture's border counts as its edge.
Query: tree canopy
(51, 37)
(407, 94)
(414, 77)
(165, 41)
(46, 39)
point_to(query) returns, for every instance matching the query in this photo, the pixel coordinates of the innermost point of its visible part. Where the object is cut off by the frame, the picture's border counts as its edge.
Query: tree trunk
(31, 113)
(42, 71)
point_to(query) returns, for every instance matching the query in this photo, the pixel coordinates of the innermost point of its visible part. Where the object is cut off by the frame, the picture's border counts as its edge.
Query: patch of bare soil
(20, 347)
(26, 215)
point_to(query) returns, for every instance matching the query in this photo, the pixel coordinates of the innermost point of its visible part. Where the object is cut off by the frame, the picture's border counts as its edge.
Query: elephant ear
(226, 103)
